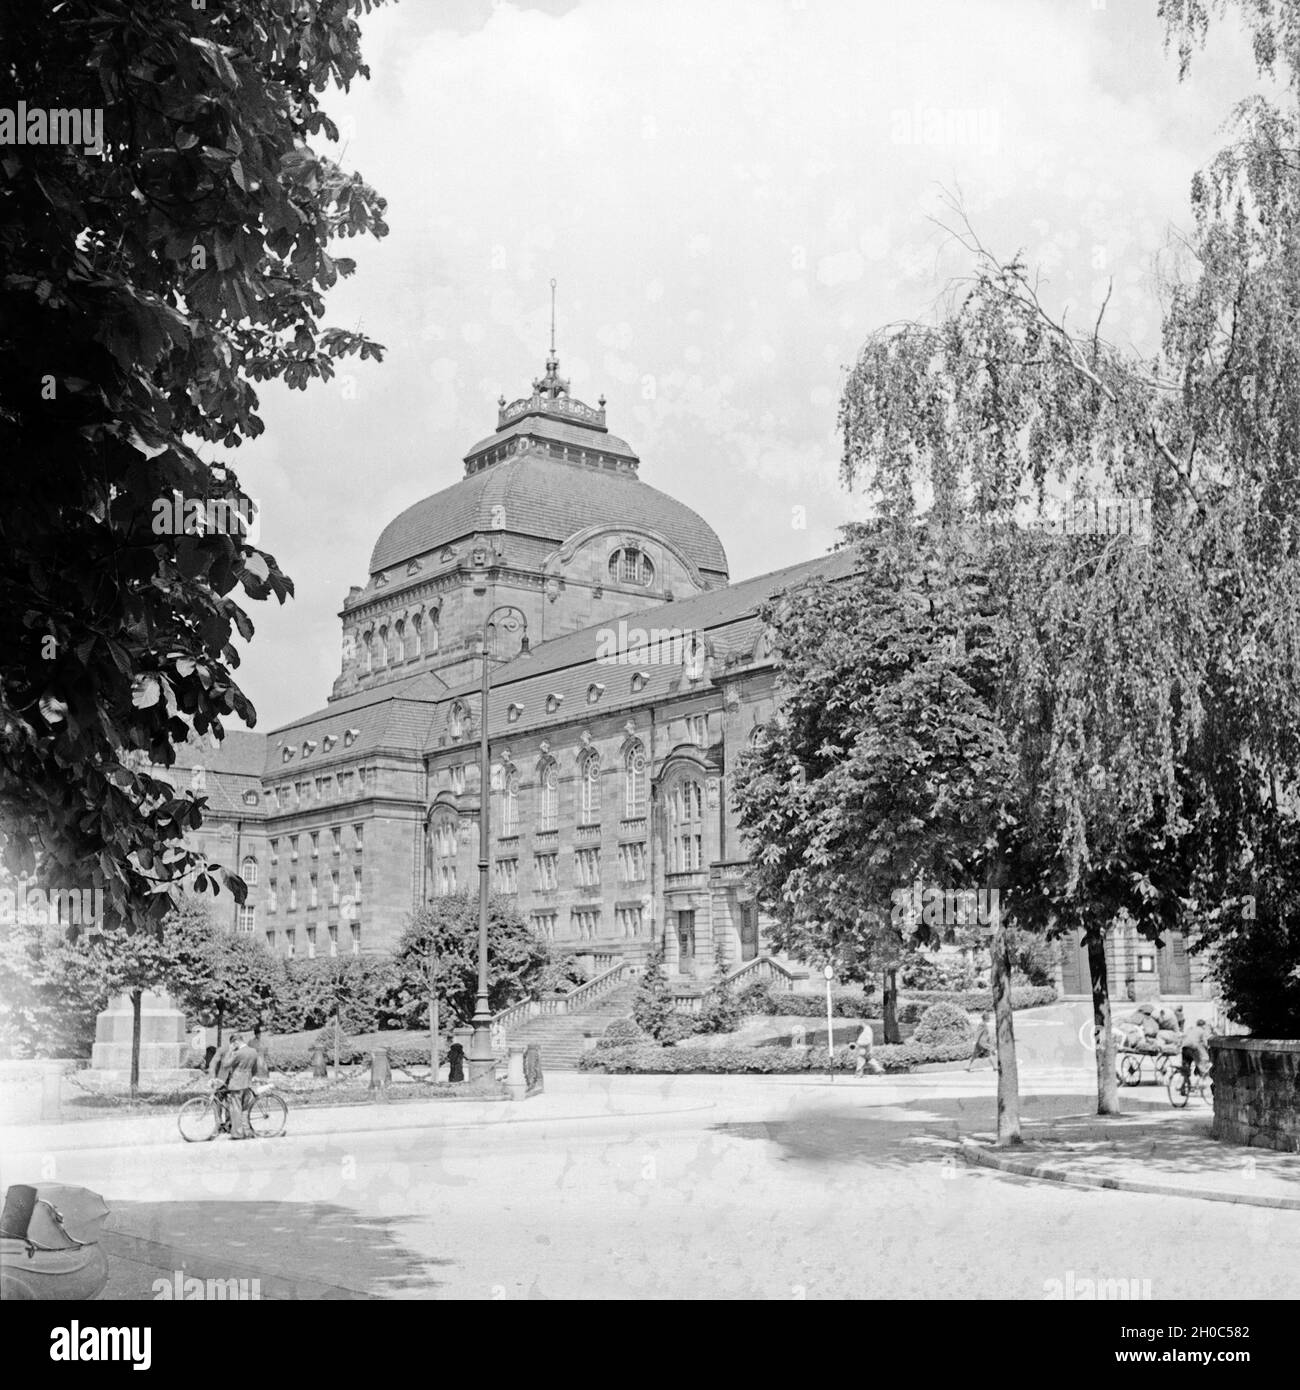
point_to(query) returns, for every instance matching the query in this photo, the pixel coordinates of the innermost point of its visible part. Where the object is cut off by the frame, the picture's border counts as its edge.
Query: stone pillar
(515, 1071)
(163, 1040)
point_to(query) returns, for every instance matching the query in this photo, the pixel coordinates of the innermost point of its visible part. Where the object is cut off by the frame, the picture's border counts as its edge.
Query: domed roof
(550, 470)
(535, 494)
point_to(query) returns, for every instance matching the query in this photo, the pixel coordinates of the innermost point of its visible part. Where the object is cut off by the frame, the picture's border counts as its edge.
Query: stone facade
(1257, 1092)
(627, 677)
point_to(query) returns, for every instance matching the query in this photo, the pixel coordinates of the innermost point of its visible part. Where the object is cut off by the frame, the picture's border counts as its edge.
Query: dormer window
(631, 566)
(308, 747)
(553, 701)
(639, 679)
(286, 755)
(328, 742)
(594, 691)
(514, 711)
(456, 721)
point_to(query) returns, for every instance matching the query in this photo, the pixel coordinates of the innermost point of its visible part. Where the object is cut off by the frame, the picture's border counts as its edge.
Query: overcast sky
(732, 194)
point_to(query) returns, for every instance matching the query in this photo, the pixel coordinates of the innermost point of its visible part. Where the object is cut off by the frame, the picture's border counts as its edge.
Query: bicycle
(1182, 1087)
(202, 1118)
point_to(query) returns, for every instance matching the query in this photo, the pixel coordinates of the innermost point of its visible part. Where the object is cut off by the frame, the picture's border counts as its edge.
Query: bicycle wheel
(268, 1115)
(198, 1120)
(1178, 1090)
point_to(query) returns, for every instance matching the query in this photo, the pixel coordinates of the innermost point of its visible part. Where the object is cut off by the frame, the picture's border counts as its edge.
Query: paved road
(720, 1188)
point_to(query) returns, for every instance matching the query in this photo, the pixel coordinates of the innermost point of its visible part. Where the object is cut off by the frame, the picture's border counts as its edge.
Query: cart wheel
(1130, 1071)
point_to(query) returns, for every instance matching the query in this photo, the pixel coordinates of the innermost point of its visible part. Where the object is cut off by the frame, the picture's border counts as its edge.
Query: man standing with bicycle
(1195, 1050)
(241, 1066)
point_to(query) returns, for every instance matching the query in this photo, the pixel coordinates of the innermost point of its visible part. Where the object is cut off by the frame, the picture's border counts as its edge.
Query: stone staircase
(560, 1036)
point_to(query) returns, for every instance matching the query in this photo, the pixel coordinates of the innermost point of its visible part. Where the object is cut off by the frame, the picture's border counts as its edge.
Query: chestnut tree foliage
(145, 289)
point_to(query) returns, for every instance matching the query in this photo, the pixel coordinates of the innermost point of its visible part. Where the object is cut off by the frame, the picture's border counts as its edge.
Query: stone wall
(1257, 1092)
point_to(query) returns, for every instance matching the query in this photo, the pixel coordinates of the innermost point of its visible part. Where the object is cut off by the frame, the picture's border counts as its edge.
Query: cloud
(731, 196)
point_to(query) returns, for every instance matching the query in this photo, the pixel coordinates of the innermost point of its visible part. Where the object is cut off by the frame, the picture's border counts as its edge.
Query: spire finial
(552, 317)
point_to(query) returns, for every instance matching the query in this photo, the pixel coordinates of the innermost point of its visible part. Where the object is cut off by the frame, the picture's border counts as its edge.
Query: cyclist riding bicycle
(1195, 1051)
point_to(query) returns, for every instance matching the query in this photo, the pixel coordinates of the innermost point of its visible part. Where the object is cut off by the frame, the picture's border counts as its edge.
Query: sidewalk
(1163, 1151)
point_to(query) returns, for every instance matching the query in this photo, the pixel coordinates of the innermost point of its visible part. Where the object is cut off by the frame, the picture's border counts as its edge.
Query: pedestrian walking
(983, 1048)
(863, 1046)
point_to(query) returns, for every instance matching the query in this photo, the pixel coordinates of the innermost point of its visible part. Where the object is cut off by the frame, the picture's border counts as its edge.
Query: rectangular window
(311, 892)
(629, 922)
(275, 851)
(334, 938)
(356, 885)
(543, 925)
(356, 938)
(632, 862)
(337, 836)
(458, 780)
(246, 914)
(587, 868)
(293, 895)
(545, 866)
(311, 943)
(293, 848)
(334, 887)
(290, 942)
(315, 844)
(270, 941)
(584, 924)
(272, 894)
(345, 784)
(359, 836)
(506, 879)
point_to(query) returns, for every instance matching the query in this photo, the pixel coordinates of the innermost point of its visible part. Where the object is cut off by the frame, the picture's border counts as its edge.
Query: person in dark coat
(456, 1057)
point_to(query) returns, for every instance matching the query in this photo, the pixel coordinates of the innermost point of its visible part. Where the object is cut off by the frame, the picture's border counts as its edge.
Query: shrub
(623, 1032)
(943, 1024)
(973, 1000)
(647, 1058)
(935, 972)
(677, 1027)
(653, 1005)
(845, 1003)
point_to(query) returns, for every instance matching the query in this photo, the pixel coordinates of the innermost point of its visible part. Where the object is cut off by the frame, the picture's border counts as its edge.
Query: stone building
(627, 677)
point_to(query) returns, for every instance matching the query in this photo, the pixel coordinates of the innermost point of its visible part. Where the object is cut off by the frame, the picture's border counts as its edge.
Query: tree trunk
(137, 996)
(433, 1036)
(1004, 1028)
(1107, 1084)
(892, 1034)
(221, 1014)
(337, 1046)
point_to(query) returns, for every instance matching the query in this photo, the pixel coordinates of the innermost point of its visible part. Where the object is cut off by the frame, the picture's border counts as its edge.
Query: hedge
(974, 1001)
(897, 1057)
(294, 1054)
(845, 1003)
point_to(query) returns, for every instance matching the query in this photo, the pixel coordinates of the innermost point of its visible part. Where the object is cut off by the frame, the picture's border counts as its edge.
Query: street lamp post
(481, 1060)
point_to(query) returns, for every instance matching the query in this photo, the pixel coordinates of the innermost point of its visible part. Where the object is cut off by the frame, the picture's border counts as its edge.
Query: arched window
(631, 566)
(417, 635)
(757, 737)
(408, 638)
(456, 721)
(443, 835)
(509, 801)
(248, 870)
(686, 827)
(431, 634)
(634, 782)
(368, 651)
(395, 643)
(548, 796)
(589, 799)
(381, 648)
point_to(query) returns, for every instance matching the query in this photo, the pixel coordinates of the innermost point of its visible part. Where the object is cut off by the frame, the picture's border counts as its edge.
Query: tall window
(630, 922)
(548, 797)
(634, 782)
(248, 870)
(631, 566)
(246, 918)
(395, 644)
(381, 647)
(586, 865)
(313, 899)
(272, 896)
(410, 639)
(545, 867)
(632, 862)
(590, 795)
(444, 849)
(509, 801)
(456, 720)
(686, 826)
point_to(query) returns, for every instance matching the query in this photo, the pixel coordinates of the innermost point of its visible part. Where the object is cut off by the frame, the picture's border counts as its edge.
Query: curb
(982, 1156)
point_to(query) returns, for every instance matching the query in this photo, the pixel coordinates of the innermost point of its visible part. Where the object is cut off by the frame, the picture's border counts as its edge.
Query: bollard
(380, 1076)
(318, 1067)
(515, 1080)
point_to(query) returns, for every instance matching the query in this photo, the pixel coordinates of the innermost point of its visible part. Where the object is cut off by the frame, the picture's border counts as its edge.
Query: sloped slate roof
(241, 752)
(398, 714)
(568, 665)
(580, 436)
(548, 498)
